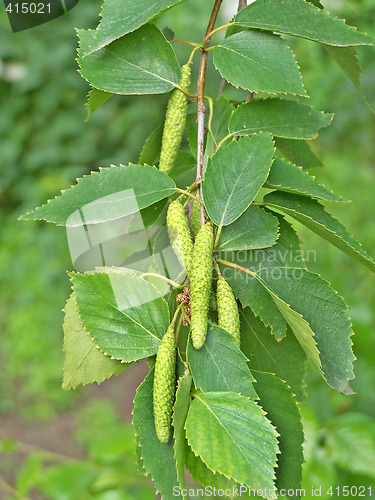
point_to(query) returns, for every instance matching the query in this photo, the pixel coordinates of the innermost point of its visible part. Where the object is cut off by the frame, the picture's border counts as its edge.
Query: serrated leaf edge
(305, 95)
(174, 436)
(324, 13)
(93, 173)
(332, 115)
(147, 472)
(298, 405)
(128, 32)
(230, 249)
(212, 159)
(74, 387)
(79, 57)
(277, 435)
(278, 186)
(367, 259)
(72, 273)
(345, 310)
(303, 380)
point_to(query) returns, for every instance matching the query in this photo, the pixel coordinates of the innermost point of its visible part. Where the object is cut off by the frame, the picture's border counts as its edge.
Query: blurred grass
(45, 144)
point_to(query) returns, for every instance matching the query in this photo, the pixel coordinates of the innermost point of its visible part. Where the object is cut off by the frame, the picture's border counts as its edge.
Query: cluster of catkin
(197, 258)
(193, 246)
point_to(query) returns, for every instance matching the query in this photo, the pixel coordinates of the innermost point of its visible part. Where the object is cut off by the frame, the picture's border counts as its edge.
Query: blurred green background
(80, 445)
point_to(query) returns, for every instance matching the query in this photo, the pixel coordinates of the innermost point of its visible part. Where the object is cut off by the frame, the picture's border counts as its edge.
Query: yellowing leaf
(84, 362)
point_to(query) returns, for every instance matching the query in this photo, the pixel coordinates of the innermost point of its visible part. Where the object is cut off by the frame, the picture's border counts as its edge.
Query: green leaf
(227, 421)
(256, 228)
(300, 18)
(312, 215)
(266, 354)
(258, 62)
(278, 401)
(234, 176)
(203, 475)
(350, 443)
(142, 62)
(84, 363)
(110, 194)
(122, 311)
(278, 117)
(120, 17)
(152, 147)
(248, 289)
(150, 214)
(222, 112)
(184, 163)
(298, 152)
(157, 458)
(285, 176)
(180, 411)
(95, 99)
(316, 314)
(299, 326)
(346, 58)
(220, 365)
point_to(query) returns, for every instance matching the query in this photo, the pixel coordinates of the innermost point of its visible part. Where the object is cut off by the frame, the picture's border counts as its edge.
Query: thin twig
(187, 193)
(220, 28)
(186, 92)
(177, 312)
(211, 114)
(219, 229)
(164, 278)
(179, 324)
(236, 266)
(221, 88)
(224, 139)
(199, 46)
(201, 105)
(187, 42)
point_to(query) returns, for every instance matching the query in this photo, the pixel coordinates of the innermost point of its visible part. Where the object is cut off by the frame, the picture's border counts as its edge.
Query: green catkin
(175, 121)
(180, 235)
(195, 218)
(228, 310)
(201, 284)
(165, 385)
